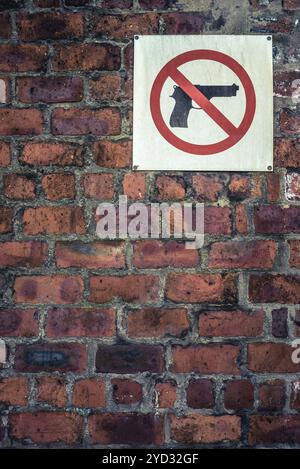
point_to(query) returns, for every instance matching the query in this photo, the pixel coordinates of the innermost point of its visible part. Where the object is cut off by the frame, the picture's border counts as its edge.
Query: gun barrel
(218, 90)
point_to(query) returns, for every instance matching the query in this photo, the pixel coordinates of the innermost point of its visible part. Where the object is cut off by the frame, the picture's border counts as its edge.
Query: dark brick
(135, 358)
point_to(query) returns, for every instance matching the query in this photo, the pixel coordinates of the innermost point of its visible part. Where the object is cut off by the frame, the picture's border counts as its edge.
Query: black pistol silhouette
(183, 103)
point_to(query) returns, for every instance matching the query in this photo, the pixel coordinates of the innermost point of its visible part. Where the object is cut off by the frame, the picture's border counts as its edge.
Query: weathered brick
(283, 82)
(47, 3)
(157, 322)
(125, 26)
(14, 391)
(18, 187)
(88, 56)
(244, 187)
(51, 390)
(276, 219)
(271, 395)
(287, 152)
(129, 358)
(197, 428)
(208, 188)
(48, 154)
(275, 288)
(183, 23)
(89, 393)
(96, 255)
(22, 57)
(20, 121)
(295, 395)
(273, 187)
(22, 253)
(117, 3)
(51, 357)
(231, 324)
(209, 359)
(241, 219)
(81, 322)
(277, 23)
(5, 27)
(50, 89)
(165, 395)
(274, 429)
(200, 394)
(125, 391)
(113, 154)
(170, 188)
(242, 254)
(201, 288)
(239, 394)
(292, 186)
(106, 121)
(279, 322)
(147, 254)
(106, 88)
(134, 185)
(271, 358)
(17, 322)
(294, 245)
(58, 186)
(4, 154)
(53, 220)
(50, 25)
(98, 186)
(217, 221)
(6, 224)
(59, 289)
(132, 288)
(47, 427)
(291, 5)
(289, 121)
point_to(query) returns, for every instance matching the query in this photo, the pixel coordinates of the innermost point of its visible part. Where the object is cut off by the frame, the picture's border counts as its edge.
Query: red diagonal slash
(203, 102)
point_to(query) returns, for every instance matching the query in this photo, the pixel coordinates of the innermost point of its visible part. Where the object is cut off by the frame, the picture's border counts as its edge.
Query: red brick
(208, 188)
(147, 254)
(58, 186)
(51, 390)
(271, 358)
(5, 27)
(292, 186)
(20, 121)
(96, 255)
(126, 428)
(106, 121)
(283, 82)
(53, 220)
(273, 187)
(200, 288)
(117, 3)
(276, 23)
(17, 322)
(294, 245)
(271, 395)
(23, 253)
(18, 187)
(279, 322)
(241, 219)
(50, 89)
(183, 23)
(48, 154)
(276, 219)
(77, 3)
(14, 391)
(134, 185)
(274, 429)
(6, 224)
(63, 357)
(106, 88)
(81, 322)
(170, 188)
(165, 395)
(208, 359)
(126, 391)
(47, 3)
(287, 152)
(125, 26)
(291, 5)
(295, 395)
(289, 121)
(4, 154)
(87, 56)
(132, 288)
(244, 187)
(269, 288)
(157, 322)
(59, 289)
(197, 428)
(89, 393)
(22, 57)
(98, 186)
(231, 324)
(50, 25)
(129, 358)
(217, 221)
(113, 154)
(200, 394)
(153, 4)
(242, 255)
(47, 427)
(239, 394)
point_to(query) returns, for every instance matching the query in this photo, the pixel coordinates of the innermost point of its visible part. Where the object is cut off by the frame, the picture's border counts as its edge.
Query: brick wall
(140, 343)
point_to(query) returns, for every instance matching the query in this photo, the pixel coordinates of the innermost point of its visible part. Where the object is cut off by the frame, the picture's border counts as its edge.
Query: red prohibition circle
(234, 136)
